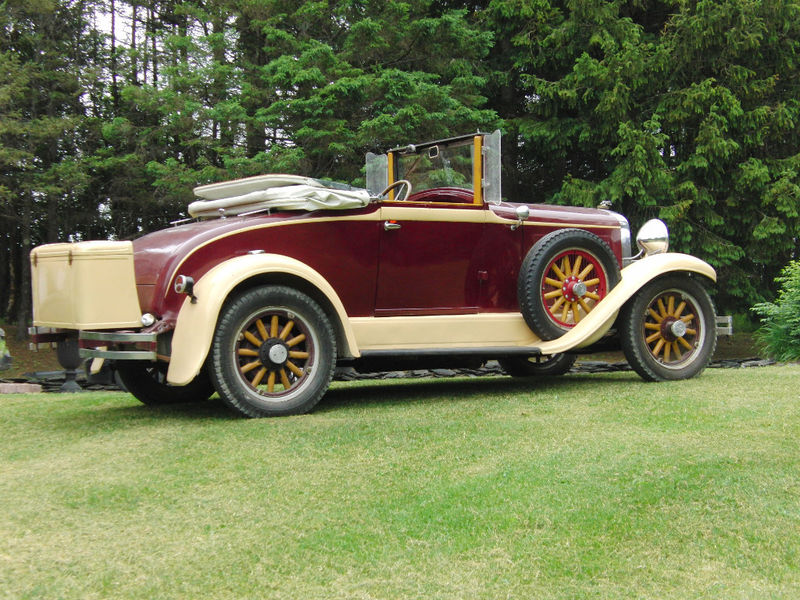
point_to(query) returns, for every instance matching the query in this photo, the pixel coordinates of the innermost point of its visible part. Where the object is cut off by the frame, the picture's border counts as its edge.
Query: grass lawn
(586, 486)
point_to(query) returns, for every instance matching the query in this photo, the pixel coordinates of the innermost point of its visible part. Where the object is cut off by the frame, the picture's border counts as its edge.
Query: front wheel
(668, 329)
(538, 366)
(273, 352)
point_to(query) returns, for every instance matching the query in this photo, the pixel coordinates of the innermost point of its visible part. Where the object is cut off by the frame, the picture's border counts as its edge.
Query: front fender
(634, 276)
(196, 322)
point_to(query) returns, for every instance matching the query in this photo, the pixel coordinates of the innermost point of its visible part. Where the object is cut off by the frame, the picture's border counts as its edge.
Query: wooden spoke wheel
(668, 329)
(573, 283)
(563, 277)
(273, 353)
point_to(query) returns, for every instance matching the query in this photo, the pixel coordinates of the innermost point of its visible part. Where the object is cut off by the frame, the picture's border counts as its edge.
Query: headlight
(148, 319)
(653, 237)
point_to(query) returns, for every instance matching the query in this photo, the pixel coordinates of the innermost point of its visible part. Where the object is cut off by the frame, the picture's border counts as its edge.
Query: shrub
(780, 321)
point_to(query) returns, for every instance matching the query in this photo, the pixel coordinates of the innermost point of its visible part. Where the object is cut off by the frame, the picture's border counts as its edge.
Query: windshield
(438, 166)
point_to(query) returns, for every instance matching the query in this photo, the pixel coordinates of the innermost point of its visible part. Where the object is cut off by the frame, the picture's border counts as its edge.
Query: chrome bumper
(118, 345)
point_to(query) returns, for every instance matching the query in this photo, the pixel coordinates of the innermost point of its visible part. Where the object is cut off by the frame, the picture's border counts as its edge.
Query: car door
(429, 259)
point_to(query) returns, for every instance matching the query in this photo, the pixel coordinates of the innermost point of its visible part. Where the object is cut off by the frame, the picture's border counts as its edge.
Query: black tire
(552, 301)
(650, 339)
(147, 382)
(538, 366)
(273, 353)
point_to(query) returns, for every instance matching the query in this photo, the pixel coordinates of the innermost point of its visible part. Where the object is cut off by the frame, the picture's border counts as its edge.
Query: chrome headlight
(653, 237)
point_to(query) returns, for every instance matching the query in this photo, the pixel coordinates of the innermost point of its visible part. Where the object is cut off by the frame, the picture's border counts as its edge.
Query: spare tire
(563, 277)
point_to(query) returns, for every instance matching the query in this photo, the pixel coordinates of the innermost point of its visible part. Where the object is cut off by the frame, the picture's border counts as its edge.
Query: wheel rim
(572, 285)
(275, 354)
(673, 329)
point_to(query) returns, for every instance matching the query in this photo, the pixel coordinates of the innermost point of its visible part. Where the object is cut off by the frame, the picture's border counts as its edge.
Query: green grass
(587, 486)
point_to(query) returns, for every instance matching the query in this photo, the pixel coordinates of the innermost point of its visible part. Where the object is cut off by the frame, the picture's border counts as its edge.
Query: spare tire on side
(563, 277)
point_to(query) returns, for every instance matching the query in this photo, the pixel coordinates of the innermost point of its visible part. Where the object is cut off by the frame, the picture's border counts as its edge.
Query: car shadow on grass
(462, 389)
(385, 392)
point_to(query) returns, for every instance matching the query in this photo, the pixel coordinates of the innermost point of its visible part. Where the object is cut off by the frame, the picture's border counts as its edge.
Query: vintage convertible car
(278, 279)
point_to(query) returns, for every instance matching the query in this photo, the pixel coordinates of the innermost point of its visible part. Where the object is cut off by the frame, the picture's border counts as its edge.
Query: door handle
(390, 225)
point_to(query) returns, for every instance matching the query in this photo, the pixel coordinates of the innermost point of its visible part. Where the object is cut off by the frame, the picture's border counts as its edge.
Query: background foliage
(112, 110)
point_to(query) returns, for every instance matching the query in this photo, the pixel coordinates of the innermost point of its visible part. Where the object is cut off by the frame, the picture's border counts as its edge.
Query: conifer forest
(111, 111)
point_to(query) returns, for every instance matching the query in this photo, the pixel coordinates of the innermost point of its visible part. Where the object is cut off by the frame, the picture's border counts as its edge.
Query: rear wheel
(668, 329)
(538, 366)
(147, 382)
(273, 353)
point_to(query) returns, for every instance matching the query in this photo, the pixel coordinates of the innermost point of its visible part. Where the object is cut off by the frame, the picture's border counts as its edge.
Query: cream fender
(194, 329)
(634, 276)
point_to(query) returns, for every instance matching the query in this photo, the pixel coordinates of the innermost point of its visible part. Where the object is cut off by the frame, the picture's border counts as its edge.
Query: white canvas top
(239, 187)
(287, 192)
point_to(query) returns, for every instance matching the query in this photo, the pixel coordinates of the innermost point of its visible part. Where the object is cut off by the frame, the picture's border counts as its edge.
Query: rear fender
(634, 276)
(197, 321)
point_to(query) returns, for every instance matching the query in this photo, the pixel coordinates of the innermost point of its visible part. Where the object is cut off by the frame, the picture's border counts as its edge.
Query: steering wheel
(397, 184)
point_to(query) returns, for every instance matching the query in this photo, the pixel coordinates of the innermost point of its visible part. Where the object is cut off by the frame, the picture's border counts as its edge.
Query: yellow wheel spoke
(661, 308)
(296, 340)
(587, 269)
(285, 380)
(594, 281)
(262, 331)
(253, 339)
(559, 273)
(271, 382)
(676, 351)
(586, 308)
(685, 344)
(576, 317)
(654, 326)
(658, 347)
(297, 354)
(250, 366)
(553, 294)
(576, 267)
(679, 310)
(691, 331)
(284, 334)
(658, 318)
(557, 303)
(565, 312)
(259, 376)
(273, 327)
(566, 266)
(593, 296)
(667, 349)
(671, 305)
(293, 368)
(687, 318)
(247, 352)
(652, 337)
(553, 282)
